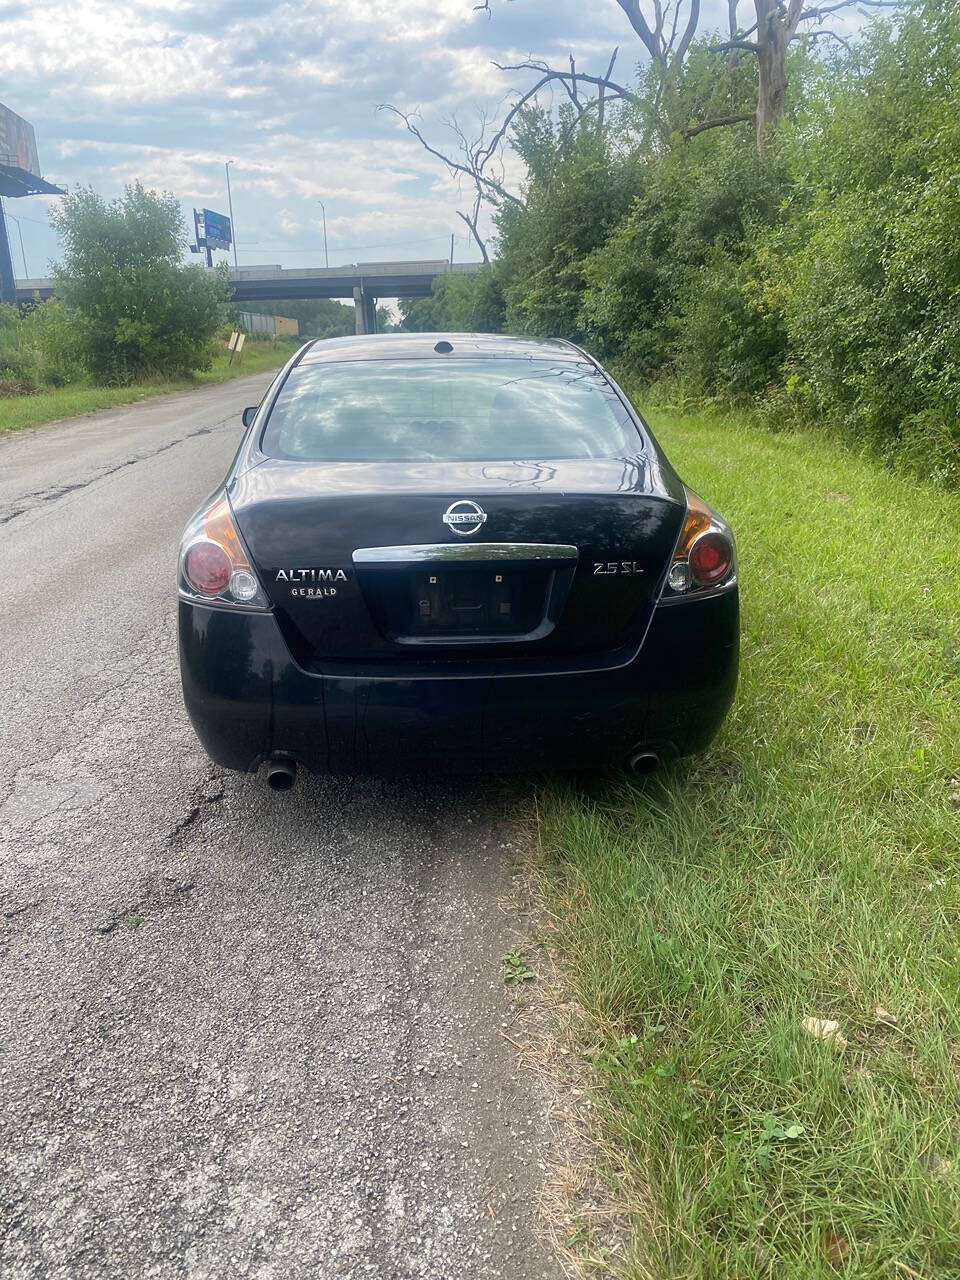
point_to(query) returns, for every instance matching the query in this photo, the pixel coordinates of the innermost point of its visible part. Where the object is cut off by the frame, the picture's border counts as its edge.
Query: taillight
(207, 568)
(710, 558)
(213, 561)
(705, 555)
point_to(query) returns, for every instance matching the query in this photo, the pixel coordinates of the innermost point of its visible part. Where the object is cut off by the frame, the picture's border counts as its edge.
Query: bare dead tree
(778, 24)
(732, 23)
(718, 122)
(657, 30)
(665, 28)
(472, 219)
(607, 89)
(659, 34)
(474, 160)
(478, 160)
(484, 162)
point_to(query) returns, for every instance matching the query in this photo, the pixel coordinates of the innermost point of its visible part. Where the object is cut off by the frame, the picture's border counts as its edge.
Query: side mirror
(249, 414)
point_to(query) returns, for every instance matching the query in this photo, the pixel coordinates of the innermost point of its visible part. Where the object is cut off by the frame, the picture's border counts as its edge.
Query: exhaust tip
(281, 775)
(643, 762)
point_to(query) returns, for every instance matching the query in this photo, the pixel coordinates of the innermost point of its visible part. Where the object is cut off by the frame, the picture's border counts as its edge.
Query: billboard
(216, 230)
(18, 143)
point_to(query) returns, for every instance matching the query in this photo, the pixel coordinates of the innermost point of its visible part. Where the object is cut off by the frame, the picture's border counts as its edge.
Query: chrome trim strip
(214, 602)
(460, 551)
(699, 593)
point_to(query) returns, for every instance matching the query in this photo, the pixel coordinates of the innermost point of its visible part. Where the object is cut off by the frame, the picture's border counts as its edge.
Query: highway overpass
(364, 282)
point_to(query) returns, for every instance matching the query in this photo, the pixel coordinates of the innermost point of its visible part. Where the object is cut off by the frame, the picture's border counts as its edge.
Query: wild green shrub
(672, 287)
(872, 263)
(17, 362)
(458, 304)
(727, 337)
(144, 312)
(56, 337)
(579, 186)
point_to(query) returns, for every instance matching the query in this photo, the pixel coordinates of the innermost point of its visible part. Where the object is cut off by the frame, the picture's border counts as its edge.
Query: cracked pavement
(241, 1033)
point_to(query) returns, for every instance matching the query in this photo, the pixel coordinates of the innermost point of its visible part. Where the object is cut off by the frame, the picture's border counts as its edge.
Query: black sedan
(462, 553)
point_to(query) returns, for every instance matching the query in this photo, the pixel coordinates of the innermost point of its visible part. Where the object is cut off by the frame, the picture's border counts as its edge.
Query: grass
(17, 412)
(806, 867)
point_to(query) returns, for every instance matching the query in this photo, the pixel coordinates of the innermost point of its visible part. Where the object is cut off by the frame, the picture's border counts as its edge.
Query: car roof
(422, 346)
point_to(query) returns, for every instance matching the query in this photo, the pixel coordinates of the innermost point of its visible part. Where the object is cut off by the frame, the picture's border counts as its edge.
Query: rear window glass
(447, 410)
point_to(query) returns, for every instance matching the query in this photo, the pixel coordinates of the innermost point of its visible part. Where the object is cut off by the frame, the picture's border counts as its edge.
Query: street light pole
(14, 218)
(233, 229)
(326, 256)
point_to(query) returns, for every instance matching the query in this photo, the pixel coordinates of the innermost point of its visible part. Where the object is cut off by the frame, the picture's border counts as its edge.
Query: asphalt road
(241, 1033)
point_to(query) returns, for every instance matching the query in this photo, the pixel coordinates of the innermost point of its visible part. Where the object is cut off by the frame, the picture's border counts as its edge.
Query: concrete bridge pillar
(366, 307)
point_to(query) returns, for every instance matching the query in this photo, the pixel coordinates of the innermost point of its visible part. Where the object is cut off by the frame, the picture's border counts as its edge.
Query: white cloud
(288, 90)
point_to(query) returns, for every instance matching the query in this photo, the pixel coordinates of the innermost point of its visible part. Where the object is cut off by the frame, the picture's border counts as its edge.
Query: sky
(166, 91)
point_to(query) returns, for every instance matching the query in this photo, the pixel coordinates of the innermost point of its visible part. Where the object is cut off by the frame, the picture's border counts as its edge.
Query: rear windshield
(447, 410)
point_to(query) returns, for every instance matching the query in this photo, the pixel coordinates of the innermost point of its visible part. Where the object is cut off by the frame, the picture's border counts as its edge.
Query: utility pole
(451, 247)
(23, 252)
(233, 229)
(8, 284)
(326, 256)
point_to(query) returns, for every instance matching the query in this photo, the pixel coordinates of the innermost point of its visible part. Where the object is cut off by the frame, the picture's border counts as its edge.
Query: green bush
(56, 337)
(871, 266)
(43, 346)
(458, 304)
(17, 362)
(580, 185)
(728, 339)
(144, 312)
(673, 287)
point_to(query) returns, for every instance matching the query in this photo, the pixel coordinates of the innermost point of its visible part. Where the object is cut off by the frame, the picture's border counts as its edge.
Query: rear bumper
(249, 700)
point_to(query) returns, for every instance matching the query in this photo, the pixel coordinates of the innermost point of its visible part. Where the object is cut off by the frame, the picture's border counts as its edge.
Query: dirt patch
(10, 387)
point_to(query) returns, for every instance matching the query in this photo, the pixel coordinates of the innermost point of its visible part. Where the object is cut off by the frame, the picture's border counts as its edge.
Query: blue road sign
(216, 230)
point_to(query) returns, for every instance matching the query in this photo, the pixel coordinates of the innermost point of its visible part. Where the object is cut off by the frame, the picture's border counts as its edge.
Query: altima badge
(317, 578)
(311, 575)
(464, 517)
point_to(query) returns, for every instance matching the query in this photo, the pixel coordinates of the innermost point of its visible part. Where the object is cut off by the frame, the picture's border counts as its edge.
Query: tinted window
(457, 410)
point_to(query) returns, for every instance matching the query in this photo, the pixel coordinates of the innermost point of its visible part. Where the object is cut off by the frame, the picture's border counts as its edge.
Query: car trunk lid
(418, 562)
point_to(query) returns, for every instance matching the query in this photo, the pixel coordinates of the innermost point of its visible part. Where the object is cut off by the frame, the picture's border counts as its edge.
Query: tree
(778, 24)
(670, 287)
(477, 159)
(870, 263)
(667, 30)
(458, 304)
(658, 24)
(141, 309)
(579, 186)
(659, 35)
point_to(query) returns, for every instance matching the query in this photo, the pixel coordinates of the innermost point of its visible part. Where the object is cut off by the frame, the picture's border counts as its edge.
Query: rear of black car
(474, 559)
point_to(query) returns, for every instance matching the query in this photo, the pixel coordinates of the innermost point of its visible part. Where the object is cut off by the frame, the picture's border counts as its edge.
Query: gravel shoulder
(241, 1034)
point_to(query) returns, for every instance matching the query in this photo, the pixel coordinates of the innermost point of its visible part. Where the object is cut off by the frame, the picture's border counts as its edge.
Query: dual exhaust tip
(281, 774)
(643, 762)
